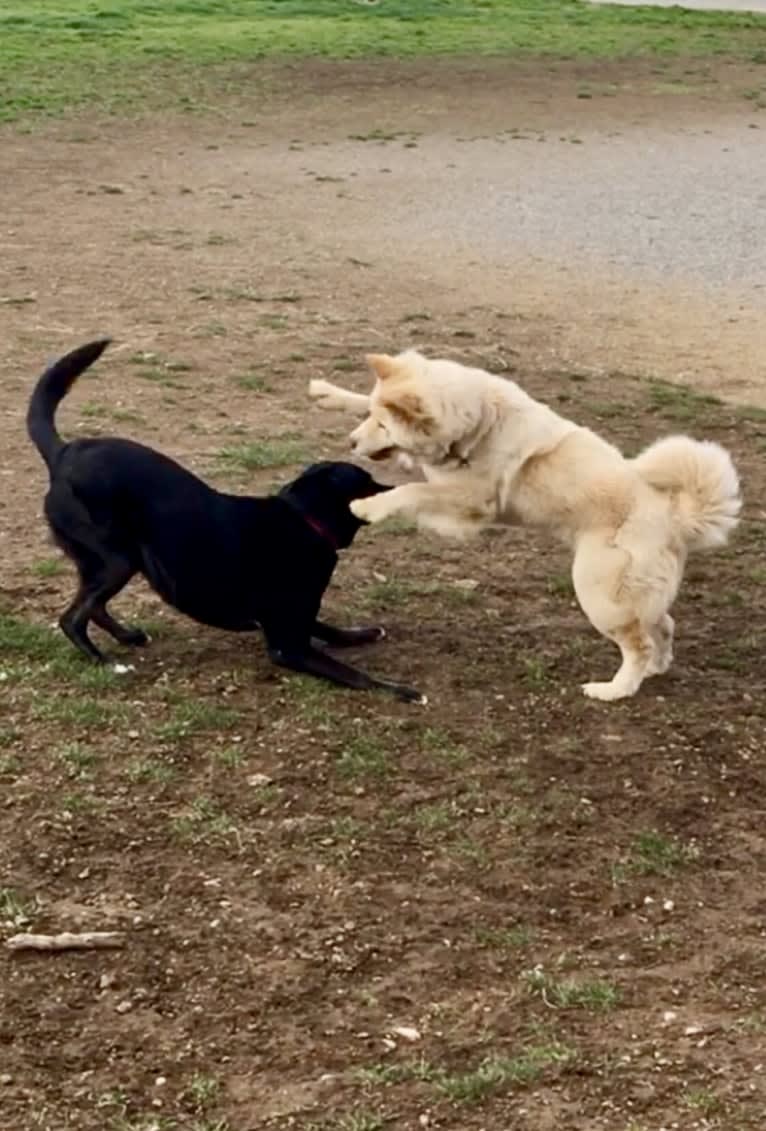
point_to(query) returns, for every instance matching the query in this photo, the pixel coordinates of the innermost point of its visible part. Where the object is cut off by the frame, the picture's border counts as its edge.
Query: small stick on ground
(87, 940)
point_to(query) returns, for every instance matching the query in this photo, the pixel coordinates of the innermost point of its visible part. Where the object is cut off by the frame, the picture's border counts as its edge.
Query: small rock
(669, 1016)
(6, 1078)
(160, 1082)
(124, 1006)
(106, 981)
(466, 583)
(407, 1033)
(692, 1030)
(668, 905)
(258, 781)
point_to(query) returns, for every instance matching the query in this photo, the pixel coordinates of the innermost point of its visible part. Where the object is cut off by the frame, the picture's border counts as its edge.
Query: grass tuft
(192, 716)
(258, 454)
(567, 993)
(495, 1073)
(653, 854)
(204, 822)
(363, 756)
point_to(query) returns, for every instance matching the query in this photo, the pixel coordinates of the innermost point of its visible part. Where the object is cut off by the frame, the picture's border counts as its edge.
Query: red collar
(320, 529)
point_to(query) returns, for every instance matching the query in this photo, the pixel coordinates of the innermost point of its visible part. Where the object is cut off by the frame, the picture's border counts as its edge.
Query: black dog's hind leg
(313, 662)
(121, 633)
(346, 637)
(99, 582)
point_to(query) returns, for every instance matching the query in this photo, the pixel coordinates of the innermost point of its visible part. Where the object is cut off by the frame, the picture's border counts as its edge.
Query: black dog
(117, 508)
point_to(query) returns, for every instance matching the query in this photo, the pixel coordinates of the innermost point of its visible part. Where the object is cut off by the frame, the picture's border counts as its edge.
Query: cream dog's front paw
(323, 392)
(370, 510)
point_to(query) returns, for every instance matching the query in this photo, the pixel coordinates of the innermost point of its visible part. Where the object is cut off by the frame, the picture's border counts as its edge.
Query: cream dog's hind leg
(332, 396)
(662, 637)
(637, 648)
(611, 601)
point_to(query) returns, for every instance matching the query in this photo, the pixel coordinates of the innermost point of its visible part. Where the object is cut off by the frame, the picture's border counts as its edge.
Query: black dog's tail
(50, 390)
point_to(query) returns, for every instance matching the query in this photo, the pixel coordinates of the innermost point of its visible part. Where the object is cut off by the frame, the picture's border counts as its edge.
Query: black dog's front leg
(313, 662)
(346, 637)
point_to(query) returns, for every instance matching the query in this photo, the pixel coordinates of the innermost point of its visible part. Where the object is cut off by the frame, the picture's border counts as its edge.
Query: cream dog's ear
(381, 364)
(410, 411)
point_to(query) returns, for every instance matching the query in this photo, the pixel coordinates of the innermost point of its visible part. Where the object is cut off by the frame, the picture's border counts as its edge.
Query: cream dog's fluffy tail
(705, 480)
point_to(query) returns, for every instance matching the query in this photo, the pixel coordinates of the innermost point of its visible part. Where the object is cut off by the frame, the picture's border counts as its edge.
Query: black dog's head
(325, 490)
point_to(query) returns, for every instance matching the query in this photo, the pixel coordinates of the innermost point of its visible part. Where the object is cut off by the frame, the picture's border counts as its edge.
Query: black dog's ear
(376, 488)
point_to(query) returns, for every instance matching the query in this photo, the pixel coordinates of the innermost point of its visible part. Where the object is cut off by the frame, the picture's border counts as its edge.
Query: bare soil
(566, 893)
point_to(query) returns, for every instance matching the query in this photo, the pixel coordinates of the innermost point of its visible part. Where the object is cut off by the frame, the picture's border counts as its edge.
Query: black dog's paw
(410, 695)
(135, 637)
(369, 635)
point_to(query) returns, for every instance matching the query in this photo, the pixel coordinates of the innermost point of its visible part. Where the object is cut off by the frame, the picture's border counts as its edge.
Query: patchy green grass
(492, 1074)
(150, 770)
(314, 701)
(504, 938)
(440, 745)
(15, 909)
(49, 567)
(78, 760)
(573, 993)
(77, 712)
(534, 673)
(701, 1100)
(56, 54)
(363, 756)
(23, 639)
(438, 817)
(253, 382)
(202, 1090)
(392, 591)
(10, 764)
(204, 822)
(190, 716)
(496, 1072)
(680, 404)
(653, 854)
(258, 454)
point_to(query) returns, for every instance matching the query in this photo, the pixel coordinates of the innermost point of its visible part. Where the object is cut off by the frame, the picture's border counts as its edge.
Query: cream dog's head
(423, 409)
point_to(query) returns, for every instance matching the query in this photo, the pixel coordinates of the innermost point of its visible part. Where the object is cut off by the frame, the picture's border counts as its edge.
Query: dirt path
(620, 220)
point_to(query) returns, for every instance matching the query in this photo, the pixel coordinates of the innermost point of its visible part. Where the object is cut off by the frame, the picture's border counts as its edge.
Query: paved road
(698, 5)
(657, 202)
(622, 230)
(637, 233)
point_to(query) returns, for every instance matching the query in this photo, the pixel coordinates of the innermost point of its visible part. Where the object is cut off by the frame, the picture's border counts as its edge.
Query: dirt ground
(511, 909)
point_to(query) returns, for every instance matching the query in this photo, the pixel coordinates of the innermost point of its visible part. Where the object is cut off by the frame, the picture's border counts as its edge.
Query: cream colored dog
(490, 453)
